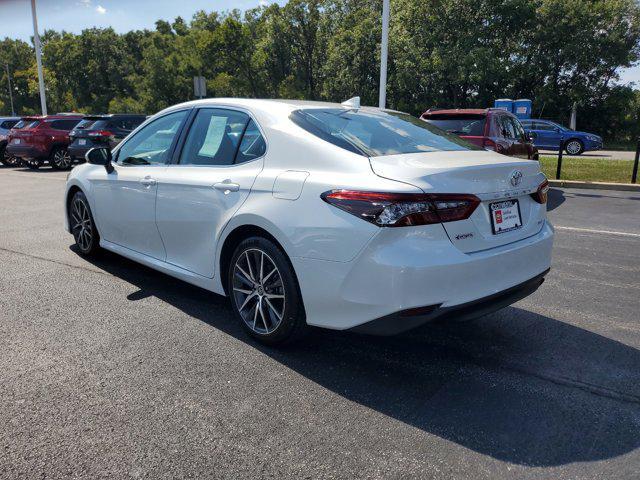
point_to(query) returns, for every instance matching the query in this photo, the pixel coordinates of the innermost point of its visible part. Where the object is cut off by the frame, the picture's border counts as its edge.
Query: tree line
(442, 53)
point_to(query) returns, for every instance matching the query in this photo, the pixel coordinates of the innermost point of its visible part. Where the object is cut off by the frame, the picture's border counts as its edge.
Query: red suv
(489, 128)
(43, 139)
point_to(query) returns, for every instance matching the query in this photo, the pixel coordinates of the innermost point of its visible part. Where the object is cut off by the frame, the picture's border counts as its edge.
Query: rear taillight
(100, 133)
(403, 209)
(541, 194)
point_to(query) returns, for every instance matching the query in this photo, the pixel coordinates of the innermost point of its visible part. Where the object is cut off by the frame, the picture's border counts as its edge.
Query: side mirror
(100, 156)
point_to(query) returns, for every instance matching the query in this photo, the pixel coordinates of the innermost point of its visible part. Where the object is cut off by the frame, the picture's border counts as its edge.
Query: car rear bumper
(413, 318)
(26, 151)
(78, 151)
(419, 268)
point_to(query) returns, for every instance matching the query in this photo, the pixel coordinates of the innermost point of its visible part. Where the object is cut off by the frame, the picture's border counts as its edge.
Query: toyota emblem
(516, 178)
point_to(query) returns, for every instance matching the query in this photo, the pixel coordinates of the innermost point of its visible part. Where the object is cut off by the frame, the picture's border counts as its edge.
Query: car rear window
(84, 124)
(374, 133)
(471, 125)
(63, 124)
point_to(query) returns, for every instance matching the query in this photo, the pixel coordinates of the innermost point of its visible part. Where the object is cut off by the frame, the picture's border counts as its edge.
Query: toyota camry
(309, 213)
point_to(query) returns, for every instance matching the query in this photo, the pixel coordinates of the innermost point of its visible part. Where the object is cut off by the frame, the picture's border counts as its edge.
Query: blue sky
(125, 15)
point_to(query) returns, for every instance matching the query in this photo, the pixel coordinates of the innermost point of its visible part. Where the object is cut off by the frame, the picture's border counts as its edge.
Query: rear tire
(265, 294)
(60, 159)
(82, 225)
(574, 147)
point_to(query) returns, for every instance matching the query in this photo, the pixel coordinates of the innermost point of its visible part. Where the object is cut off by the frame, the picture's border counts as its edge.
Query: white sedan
(309, 213)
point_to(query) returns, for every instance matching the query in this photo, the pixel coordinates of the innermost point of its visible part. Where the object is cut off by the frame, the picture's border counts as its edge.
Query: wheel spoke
(246, 301)
(273, 295)
(247, 279)
(260, 279)
(242, 290)
(246, 254)
(273, 309)
(264, 280)
(264, 320)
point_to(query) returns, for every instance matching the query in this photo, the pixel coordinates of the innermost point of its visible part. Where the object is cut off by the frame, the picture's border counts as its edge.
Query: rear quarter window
(7, 124)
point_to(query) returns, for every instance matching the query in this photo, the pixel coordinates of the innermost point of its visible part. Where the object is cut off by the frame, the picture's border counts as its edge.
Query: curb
(624, 187)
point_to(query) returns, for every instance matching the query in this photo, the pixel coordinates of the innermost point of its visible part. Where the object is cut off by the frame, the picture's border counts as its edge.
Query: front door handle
(226, 186)
(148, 181)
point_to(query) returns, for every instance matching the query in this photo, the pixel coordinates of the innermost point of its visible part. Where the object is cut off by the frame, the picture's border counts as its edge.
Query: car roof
(4, 119)
(265, 105)
(108, 116)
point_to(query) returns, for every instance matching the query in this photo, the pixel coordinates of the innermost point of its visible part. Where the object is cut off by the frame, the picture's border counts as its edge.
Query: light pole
(36, 41)
(384, 51)
(13, 112)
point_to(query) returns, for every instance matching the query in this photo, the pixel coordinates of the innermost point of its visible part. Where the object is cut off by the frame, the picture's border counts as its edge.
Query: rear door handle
(226, 186)
(148, 181)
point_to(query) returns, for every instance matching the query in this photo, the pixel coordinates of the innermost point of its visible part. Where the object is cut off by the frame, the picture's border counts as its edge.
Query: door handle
(148, 181)
(226, 186)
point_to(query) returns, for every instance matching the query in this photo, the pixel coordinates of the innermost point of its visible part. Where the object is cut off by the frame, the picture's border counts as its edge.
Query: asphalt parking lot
(111, 370)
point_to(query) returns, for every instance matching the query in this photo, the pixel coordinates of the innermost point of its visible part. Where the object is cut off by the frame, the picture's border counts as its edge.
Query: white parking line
(604, 232)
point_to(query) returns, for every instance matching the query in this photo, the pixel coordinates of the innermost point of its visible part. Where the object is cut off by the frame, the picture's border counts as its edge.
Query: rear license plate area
(505, 216)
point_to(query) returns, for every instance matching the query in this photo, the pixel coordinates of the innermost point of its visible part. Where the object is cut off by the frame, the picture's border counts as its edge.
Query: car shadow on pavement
(515, 385)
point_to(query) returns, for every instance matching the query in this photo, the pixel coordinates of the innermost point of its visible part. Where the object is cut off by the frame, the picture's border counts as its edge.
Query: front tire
(574, 147)
(60, 159)
(82, 225)
(264, 292)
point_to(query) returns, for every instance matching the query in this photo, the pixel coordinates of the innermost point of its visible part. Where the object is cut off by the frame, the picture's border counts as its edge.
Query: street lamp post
(13, 112)
(384, 51)
(36, 41)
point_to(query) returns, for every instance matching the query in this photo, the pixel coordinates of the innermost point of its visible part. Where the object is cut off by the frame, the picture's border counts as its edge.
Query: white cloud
(263, 3)
(101, 10)
(84, 3)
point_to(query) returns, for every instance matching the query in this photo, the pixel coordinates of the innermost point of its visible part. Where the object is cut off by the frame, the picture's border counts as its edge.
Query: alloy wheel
(258, 291)
(573, 147)
(81, 224)
(62, 159)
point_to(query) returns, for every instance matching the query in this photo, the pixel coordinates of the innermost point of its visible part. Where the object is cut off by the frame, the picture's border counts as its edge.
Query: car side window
(150, 146)
(252, 145)
(545, 126)
(508, 127)
(213, 137)
(518, 127)
(64, 124)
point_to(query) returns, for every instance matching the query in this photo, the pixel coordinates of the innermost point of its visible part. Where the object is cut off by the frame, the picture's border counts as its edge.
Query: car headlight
(593, 138)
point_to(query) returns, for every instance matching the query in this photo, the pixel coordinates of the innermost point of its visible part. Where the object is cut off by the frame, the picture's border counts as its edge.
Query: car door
(509, 136)
(211, 177)
(522, 148)
(549, 135)
(125, 199)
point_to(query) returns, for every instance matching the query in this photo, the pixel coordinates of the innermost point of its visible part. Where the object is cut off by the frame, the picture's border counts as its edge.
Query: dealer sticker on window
(505, 216)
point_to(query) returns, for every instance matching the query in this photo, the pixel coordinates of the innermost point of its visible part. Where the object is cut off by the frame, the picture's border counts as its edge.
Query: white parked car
(309, 213)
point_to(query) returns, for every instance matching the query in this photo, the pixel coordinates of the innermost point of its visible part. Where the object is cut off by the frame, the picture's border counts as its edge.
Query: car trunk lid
(491, 177)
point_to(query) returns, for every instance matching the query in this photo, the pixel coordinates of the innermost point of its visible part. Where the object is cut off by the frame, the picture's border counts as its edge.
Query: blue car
(546, 135)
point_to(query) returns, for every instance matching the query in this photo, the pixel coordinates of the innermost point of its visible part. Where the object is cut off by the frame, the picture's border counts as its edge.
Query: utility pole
(36, 41)
(384, 51)
(13, 112)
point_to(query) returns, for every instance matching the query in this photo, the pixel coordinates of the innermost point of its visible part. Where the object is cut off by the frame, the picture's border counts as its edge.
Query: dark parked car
(6, 124)
(101, 131)
(43, 139)
(489, 128)
(547, 136)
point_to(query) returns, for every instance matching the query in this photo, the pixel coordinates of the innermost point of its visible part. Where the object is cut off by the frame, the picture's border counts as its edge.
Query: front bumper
(414, 268)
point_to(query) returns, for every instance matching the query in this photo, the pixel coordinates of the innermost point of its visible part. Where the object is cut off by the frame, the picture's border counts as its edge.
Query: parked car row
(501, 131)
(61, 139)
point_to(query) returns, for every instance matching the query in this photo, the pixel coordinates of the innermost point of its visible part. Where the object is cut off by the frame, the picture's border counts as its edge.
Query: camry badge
(516, 178)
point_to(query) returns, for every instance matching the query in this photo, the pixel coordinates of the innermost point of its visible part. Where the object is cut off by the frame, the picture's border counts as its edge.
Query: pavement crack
(50, 260)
